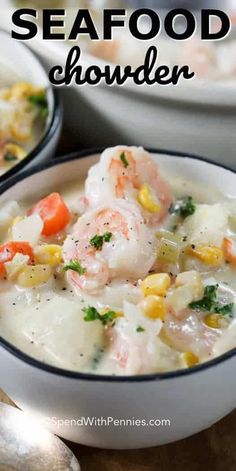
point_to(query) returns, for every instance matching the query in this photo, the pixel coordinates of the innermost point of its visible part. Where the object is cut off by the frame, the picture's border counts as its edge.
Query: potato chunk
(60, 335)
(207, 226)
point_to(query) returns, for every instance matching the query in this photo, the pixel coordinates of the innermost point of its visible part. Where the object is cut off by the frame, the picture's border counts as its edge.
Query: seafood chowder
(127, 273)
(23, 115)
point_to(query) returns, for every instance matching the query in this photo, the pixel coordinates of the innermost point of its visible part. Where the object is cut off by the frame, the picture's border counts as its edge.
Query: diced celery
(169, 247)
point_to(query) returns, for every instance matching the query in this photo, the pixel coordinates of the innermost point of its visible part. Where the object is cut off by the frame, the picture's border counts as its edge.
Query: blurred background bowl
(22, 65)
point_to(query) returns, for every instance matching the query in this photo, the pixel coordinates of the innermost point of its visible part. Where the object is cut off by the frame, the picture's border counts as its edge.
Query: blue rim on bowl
(51, 128)
(90, 376)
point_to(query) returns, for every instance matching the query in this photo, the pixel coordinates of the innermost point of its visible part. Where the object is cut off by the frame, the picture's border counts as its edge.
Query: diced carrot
(54, 213)
(229, 248)
(10, 249)
(2, 271)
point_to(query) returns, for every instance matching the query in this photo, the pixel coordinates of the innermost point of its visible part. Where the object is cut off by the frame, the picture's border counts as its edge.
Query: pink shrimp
(120, 173)
(126, 176)
(130, 351)
(128, 252)
(133, 351)
(129, 356)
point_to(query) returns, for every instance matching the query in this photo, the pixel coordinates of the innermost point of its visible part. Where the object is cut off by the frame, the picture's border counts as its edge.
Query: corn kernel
(5, 94)
(215, 321)
(190, 359)
(107, 309)
(157, 283)
(153, 307)
(24, 90)
(16, 151)
(34, 275)
(119, 313)
(21, 89)
(146, 199)
(50, 254)
(211, 255)
(21, 131)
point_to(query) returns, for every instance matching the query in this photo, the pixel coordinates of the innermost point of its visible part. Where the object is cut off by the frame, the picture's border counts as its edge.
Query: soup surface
(129, 272)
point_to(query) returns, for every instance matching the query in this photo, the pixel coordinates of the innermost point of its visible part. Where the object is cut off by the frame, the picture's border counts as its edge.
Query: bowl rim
(52, 126)
(62, 372)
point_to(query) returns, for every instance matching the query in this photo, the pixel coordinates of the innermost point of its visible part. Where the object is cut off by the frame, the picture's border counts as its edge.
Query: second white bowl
(22, 65)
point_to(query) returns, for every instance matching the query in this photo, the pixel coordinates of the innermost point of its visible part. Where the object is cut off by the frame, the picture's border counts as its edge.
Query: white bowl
(191, 399)
(195, 116)
(25, 66)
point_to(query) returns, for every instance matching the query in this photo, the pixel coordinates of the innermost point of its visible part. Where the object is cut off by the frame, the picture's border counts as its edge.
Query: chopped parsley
(209, 302)
(9, 157)
(184, 208)
(124, 160)
(98, 240)
(107, 236)
(225, 310)
(75, 266)
(140, 329)
(91, 314)
(41, 102)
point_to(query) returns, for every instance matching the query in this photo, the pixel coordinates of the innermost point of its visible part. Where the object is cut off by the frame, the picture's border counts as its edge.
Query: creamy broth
(155, 295)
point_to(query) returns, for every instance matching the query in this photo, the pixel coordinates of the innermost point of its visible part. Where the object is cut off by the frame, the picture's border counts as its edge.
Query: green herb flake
(41, 102)
(226, 310)
(91, 314)
(140, 329)
(184, 208)
(9, 157)
(124, 160)
(98, 240)
(107, 236)
(75, 266)
(209, 302)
